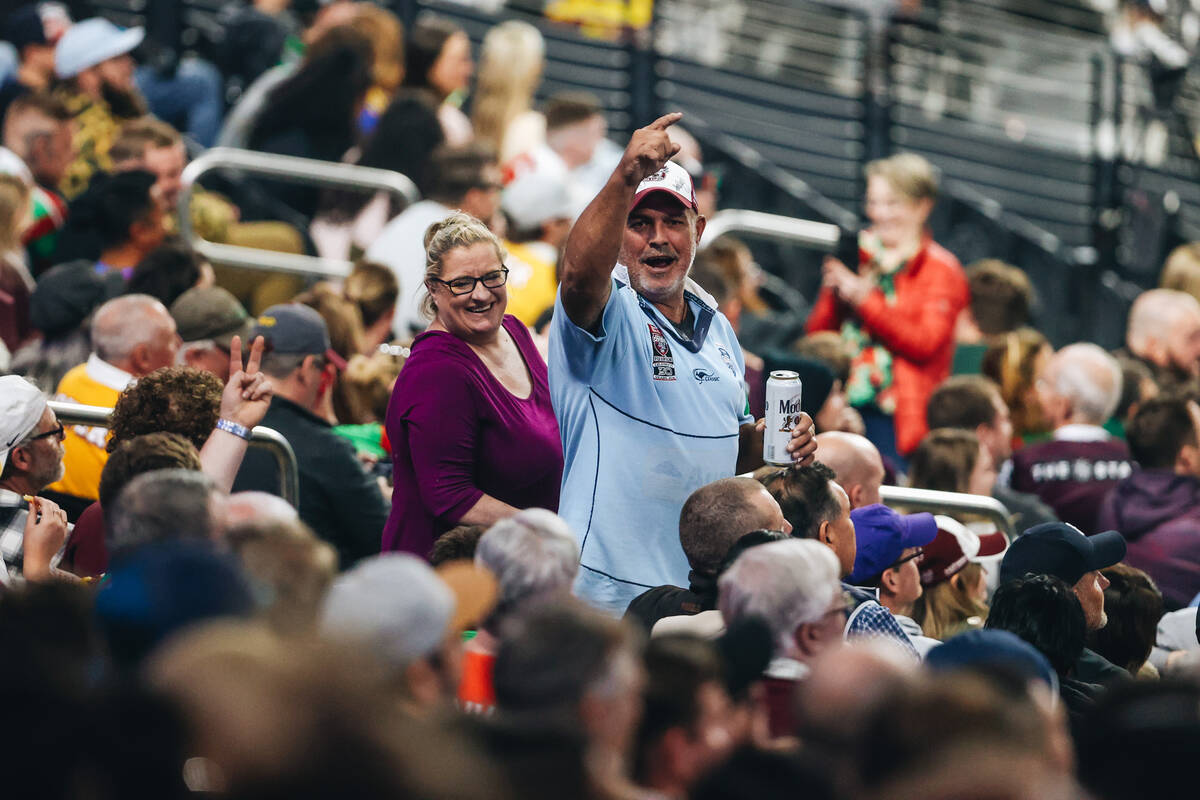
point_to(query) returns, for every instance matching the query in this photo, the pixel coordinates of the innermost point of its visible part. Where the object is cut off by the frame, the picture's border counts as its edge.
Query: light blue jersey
(646, 418)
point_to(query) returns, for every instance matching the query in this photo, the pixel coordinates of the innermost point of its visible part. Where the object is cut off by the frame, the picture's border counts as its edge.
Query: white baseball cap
(403, 608)
(87, 43)
(671, 178)
(21, 408)
(537, 192)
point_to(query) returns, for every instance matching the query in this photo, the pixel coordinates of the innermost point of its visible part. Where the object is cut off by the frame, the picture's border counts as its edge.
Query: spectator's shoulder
(1035, 451)
(871, 620)
(438, 356)
(936, 254)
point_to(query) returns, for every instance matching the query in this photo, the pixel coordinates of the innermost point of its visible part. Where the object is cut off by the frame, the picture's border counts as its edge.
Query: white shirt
(401, 247)
(106, 374)
(1079, 432)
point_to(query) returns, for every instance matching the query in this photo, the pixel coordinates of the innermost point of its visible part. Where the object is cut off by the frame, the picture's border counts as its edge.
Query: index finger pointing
(666, 121)
(256, 351)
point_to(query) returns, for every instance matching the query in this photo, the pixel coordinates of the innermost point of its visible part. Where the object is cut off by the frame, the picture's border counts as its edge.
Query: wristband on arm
(229, 426)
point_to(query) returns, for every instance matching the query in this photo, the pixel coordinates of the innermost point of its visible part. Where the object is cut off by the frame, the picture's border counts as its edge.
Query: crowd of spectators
(523, 541)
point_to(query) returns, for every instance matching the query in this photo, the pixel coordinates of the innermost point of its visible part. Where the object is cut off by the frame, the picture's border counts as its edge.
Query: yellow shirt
(96, 383)
(532, 280)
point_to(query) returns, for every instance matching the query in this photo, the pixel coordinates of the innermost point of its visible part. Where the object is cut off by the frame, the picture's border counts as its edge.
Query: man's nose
(659, 233)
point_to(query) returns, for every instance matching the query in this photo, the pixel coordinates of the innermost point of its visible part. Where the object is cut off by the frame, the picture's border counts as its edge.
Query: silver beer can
(783, 411)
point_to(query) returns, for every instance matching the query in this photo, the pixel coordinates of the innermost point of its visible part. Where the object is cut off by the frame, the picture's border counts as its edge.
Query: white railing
(288, 168)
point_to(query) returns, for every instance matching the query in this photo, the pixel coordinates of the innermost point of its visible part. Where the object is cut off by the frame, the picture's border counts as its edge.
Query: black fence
(1043, 137)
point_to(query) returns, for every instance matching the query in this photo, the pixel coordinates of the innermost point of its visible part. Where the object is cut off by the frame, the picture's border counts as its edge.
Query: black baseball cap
(295, 328)
(24, 26)
(1056, 548)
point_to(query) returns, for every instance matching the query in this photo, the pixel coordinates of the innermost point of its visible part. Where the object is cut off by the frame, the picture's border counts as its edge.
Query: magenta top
(457, 434)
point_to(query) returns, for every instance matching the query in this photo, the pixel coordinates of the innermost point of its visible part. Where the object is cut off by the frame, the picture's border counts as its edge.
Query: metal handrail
(266, 438)
(292, 168)
(950, 503)
(775, 226)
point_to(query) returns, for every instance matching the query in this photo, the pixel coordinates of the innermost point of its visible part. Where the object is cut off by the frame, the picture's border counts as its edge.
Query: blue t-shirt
(646, 418)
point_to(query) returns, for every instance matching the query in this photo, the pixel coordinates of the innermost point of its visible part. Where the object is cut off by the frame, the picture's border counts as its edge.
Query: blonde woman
(1014, 361)
(510, 70)
(385, 32)
(16, 283)
(474, 437)
(954, 596)
(897, 307)
(1181, 270)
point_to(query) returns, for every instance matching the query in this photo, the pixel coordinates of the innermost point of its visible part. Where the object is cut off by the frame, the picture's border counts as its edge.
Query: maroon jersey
(1072, 477)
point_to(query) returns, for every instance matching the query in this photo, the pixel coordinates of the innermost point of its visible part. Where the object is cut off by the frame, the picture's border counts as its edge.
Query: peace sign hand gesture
(649, 149)
(248, 392)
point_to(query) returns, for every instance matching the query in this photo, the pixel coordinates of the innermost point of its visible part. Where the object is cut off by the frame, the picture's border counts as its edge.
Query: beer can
(783, 411)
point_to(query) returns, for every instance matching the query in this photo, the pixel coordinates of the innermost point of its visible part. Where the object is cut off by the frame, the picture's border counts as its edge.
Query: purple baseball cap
(883, 534)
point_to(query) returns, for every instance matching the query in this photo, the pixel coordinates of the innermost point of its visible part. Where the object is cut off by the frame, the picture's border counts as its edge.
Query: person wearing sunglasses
(32, 531)
(474, 437)
(889, 546)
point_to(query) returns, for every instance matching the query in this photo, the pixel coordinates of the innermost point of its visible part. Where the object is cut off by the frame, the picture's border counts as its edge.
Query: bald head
(37, 127)
(1164, 329)
(719, 513)
(1080, 384)
(135, 333)
(845, 686)
(857, 463)
(246, 508)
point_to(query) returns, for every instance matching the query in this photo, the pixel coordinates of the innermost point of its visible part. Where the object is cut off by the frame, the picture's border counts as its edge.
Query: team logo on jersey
(705, 375)
(728, 360)
(663, 361)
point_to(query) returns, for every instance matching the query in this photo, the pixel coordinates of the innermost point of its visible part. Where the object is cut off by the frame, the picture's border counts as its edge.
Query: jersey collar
(703, 306)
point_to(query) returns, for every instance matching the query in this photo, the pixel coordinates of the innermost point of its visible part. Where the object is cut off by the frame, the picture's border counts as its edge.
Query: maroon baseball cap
(950, 551)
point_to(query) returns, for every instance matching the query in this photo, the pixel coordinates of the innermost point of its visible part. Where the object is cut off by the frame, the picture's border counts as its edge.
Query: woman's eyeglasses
(465, 285)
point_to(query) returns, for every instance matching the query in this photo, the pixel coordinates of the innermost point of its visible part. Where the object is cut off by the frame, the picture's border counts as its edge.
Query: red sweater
(917, 329)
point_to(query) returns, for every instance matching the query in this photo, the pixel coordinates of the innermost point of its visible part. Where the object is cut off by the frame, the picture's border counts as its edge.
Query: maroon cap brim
(688, 202)
(335, 358)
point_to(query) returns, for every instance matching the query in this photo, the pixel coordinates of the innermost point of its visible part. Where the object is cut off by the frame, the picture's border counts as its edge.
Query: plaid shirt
(13, 513)
(870, 620)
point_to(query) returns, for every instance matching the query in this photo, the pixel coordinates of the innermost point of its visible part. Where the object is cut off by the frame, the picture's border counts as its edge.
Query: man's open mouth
(659, 262)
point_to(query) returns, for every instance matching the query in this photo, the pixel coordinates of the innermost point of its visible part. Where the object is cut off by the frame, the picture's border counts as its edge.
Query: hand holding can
(788, 438)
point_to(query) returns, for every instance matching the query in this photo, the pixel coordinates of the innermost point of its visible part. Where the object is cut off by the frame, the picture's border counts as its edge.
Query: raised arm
(245, 401)
(595, 241)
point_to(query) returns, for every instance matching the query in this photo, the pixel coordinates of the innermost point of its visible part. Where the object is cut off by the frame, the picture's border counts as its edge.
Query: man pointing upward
(646, 377)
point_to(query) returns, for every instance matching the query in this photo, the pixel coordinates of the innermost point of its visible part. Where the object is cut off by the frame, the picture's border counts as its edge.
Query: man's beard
(51, 472)
(124, 103)
(663, 295)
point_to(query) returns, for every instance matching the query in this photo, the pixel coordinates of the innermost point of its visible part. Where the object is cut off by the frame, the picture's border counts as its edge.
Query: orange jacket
(917, 329)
